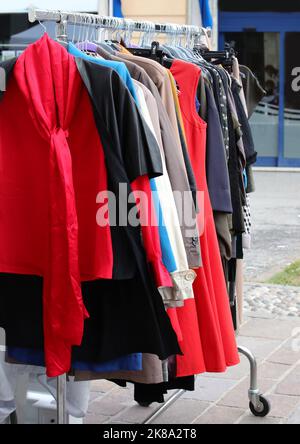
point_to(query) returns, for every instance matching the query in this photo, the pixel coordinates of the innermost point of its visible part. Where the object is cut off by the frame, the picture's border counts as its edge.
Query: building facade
(266, 36)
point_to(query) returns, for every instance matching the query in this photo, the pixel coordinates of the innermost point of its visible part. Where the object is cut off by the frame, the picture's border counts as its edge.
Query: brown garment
(236, 74)
(222, 223)
(254, 92)
(160, 77)
(143, 72)
(152, 373)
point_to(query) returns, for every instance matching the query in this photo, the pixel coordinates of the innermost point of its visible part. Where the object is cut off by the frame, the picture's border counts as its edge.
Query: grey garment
(234, 247)
(237, 76)
(216, 162)
(253, 90)
(152, 373)
(250, 180)
(222, 223)
(172, 148)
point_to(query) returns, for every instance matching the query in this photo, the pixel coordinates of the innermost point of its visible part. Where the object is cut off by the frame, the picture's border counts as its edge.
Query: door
(260, 51)
(269, 44)
(292, 99)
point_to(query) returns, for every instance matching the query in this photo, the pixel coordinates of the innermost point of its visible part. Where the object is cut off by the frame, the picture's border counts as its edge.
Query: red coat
(48, 149)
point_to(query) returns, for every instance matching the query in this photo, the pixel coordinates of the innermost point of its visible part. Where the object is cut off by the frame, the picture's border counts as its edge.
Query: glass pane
(260, 52)
(292, 96)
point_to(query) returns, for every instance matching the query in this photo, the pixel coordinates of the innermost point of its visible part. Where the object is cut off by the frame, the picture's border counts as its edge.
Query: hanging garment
(254, 92)
(140, 185)
(216, 162)
(214, 318)
(173, 151)
(58, 332)
(151, 373)
(180, 291)
(25, 356)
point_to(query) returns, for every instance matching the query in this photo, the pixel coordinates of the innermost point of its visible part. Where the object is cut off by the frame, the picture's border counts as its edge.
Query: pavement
(271, 330)
(275, 208)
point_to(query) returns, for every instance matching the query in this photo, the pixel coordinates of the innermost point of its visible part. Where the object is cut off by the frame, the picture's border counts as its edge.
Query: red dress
(211, 298)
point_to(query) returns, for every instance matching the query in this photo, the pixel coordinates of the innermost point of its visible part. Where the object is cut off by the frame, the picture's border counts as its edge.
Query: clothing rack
(63, 18)
(258, 404)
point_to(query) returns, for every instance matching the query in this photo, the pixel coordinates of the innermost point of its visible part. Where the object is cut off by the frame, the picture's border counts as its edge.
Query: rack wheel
(265, 408)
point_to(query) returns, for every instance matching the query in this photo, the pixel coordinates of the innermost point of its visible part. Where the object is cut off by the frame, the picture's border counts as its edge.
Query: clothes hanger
(88, 46)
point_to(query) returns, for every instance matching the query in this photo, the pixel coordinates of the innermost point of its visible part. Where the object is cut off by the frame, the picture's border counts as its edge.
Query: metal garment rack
(258, 404)
(63, 18)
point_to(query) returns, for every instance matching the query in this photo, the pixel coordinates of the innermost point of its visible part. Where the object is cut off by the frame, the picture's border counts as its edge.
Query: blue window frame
(266, 22)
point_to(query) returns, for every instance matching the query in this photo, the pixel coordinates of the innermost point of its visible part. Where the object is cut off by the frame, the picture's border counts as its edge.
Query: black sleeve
(131, 139)
(251, 154)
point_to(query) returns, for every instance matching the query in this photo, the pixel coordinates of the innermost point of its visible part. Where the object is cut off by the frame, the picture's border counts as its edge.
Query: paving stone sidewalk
(272, 299)
(223, 398)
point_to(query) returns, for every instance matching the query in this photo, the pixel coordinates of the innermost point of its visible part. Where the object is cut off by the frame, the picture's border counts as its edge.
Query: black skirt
(125, 317)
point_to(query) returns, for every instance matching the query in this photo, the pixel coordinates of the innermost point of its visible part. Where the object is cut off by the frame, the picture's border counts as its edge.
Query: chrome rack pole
(107, 22)
(61, 391)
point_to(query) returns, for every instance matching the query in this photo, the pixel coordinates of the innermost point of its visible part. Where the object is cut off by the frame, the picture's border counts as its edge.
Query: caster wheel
(264, 410)
(144, 404)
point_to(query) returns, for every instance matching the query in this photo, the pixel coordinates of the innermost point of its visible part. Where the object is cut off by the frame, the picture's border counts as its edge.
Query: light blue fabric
(245, 179)
(119, 67)
(166, 248)
(36, 357)
(207, 19)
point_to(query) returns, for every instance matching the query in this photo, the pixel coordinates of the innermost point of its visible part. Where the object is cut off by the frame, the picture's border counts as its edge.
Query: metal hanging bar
(63, 18)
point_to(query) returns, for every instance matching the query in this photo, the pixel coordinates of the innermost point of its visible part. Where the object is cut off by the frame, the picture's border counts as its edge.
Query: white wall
(66, 5)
